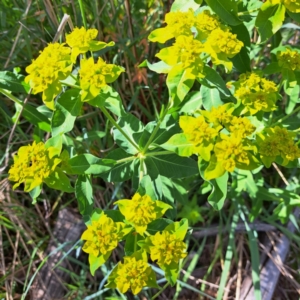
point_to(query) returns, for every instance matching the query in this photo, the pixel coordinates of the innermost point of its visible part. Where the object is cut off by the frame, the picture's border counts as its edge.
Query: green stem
(135, 243)
(157, 153)
(248, 12)
(287, 116)
(160, 291)
(126, 159)
(11, 97)
(142, 168)
(153, 134)
(111, 119)
(71, 85)
(82, 13)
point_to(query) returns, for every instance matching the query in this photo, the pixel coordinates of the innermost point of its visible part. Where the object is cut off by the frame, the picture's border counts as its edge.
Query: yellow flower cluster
(134, 274)
(33, 164)
(289, 59)
(224, 152)
(82, 41)
(166, 248)
(141, 210)
(55, 64)
(277, 142)
(102, 236)
(196, 38)
(94, 76)
(256, 93)
(52, 65)
(291, 5)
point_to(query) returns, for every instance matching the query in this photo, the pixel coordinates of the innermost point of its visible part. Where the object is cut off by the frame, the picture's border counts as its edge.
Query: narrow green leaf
(84, 194)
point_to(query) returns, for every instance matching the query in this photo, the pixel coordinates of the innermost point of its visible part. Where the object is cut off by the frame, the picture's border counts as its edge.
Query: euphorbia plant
(232, 128)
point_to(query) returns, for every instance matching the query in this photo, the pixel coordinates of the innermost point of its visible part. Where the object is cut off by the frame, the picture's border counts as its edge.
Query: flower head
(219, 116)
(221, 45)
(102, 236)
(94, 76)
(230, 152)
(82, 41)
(256, 93)
(277, 142)
(184, 53)
(205, 23)
(178, 23)
(45, 72)
(241, 127)
(167, 248)
(142, 210)
(289, 59)
(134, 273)
(291, 5)
(32, 164)
(200, 134)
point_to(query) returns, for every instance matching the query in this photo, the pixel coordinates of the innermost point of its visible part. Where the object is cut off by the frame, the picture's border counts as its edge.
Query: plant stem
(160, 291)
(248, 12)
(159, 153)
(153, 134)
(142, 170)
(82, 13)
(135, 243)
(287, 116)
(111, 119)
(126, 159)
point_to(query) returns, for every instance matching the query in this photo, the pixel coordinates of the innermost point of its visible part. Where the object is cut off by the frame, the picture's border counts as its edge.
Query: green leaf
(35, 193)
(97, 261)
(109, 98)
(171, 166)
(159, 67)
(158, 225)
(293, 99)
(130, 244)
(241, 61)
(115, 215)
(191, 103)
(120, 171)
(67, 108)
(179, 144)
(212, 79)
(133, 127)
(245, 182)
(269, 20)
(171, 272)
(179, 83)
(84, 194)
(219, 187)
(226, 10)
(294, 16)
(13, 82)
(210, 97)
(89, 164)
(185, 5)
(59, 181)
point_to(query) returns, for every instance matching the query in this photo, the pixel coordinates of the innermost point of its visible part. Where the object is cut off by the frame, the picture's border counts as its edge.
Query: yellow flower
(241, 127)
(82, 41)
(94, 76)
(102, 236)
(230, 152)
(52, 65)
(291, 5)
(184, 54)
(277, 142)
(289, 59)
(205, 23)
(134, 274)
(167, 248)
(256, 93)
(178, 23)
(220, 115)
(200, 134)
(142, 210)
(221, 45)
(32, 164)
